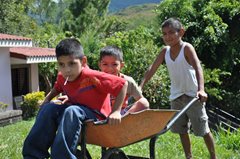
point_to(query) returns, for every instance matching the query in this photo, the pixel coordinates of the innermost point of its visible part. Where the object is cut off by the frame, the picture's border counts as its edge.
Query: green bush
(230, 140)
(30, 104)
(3, 106)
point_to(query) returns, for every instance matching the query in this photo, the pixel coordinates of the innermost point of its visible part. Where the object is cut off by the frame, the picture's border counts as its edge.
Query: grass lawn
(168, 145)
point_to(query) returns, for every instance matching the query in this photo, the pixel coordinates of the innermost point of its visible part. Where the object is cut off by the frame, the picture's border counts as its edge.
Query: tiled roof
(13, 37)
(24, 52)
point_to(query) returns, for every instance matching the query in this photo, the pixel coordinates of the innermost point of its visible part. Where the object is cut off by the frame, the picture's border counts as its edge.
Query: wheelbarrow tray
(134, 127)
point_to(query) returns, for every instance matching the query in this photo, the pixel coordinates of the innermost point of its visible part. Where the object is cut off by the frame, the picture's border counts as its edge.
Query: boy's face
(110, 64)
(70, 66)
(171, 36)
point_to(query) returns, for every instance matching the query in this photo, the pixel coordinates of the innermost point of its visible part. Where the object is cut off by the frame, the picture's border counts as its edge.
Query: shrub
(3, 106)
(230, 140)
(31, 104)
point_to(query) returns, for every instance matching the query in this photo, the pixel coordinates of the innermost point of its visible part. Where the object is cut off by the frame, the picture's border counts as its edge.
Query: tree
(44, 11)
(12, 22)
(84, 15)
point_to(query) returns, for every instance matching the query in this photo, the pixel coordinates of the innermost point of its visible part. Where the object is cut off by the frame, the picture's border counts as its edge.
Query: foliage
(157, 90)
(31, 103)
(231, 91)
(44, 11)
(49, 73)
(212, 78)
(114, 24)
(3, 106)
(91, 44)
(12, 22)
(138, 15)
(230, 140)
(85, 15)
(48, 35)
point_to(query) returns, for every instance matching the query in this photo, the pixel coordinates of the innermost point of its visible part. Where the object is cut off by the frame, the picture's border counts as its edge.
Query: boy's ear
(84, 61)
(99, 64)
(182, 32)
(122, 65)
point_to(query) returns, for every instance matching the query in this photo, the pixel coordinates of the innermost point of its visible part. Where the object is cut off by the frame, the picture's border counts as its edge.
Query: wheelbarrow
(134, 127)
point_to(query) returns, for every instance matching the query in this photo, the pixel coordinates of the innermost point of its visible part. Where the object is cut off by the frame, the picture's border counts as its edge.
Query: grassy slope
(168, 145)
(116, 5)
(138, 15)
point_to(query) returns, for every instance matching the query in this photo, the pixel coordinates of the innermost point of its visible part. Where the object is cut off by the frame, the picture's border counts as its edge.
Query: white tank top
(182, 75)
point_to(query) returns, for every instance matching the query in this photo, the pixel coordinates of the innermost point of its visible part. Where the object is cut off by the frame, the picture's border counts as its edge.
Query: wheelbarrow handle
(178, 115)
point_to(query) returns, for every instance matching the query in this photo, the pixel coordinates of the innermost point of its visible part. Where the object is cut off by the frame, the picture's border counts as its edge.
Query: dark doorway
(20, 81)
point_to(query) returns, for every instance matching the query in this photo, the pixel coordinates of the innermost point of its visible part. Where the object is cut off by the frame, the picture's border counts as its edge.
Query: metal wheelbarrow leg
(114, 153)
(117, 153)
(83, 153)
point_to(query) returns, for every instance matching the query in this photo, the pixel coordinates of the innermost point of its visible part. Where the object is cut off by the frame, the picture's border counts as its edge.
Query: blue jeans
(58, 127)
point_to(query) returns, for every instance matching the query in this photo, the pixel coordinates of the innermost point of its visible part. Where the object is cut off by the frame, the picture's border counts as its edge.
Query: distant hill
(136, 15)
(116, 5)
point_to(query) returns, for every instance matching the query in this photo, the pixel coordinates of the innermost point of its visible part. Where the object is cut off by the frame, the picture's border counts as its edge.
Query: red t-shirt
(91, 89)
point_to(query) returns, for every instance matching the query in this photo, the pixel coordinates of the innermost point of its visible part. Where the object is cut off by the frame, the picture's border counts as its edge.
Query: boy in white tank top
(187, 82)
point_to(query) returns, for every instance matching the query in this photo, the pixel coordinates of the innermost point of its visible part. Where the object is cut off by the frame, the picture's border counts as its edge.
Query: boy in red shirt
(59, 126)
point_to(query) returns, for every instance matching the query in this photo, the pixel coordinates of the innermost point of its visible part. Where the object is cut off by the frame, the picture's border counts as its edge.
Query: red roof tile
(13, 37)
(23, 52)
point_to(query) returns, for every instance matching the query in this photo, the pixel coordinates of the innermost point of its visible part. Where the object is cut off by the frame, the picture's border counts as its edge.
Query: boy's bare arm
(153, 68)
(53, 93)
(115, 116)
(193, 60)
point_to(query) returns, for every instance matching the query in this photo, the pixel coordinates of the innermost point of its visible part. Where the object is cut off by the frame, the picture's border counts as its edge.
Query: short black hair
(174, 23)
(69, 47)
(111, 51)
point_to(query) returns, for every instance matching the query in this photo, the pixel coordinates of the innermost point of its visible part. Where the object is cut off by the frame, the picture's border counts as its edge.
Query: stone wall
(10, 116)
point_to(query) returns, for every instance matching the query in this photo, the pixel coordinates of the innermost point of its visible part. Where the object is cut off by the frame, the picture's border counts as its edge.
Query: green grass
(168, 145)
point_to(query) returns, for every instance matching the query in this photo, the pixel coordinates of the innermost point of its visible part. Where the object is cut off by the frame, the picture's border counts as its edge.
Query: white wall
(34, 79)
(5, 78)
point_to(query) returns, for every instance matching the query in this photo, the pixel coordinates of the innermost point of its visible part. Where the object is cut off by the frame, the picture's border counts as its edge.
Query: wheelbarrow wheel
(114, 153)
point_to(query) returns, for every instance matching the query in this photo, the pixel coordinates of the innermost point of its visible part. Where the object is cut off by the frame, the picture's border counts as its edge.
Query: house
(19, 67)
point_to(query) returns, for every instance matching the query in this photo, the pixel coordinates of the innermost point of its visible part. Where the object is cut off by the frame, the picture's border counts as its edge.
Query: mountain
(116, 5)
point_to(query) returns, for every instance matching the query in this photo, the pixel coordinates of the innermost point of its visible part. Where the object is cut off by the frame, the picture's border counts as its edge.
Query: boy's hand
(202, 95)
(44, 102)
(64, 99)
(114, 118)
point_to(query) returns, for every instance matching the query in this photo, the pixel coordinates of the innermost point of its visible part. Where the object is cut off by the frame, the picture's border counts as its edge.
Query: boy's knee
(74, 111)
(48, 108)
